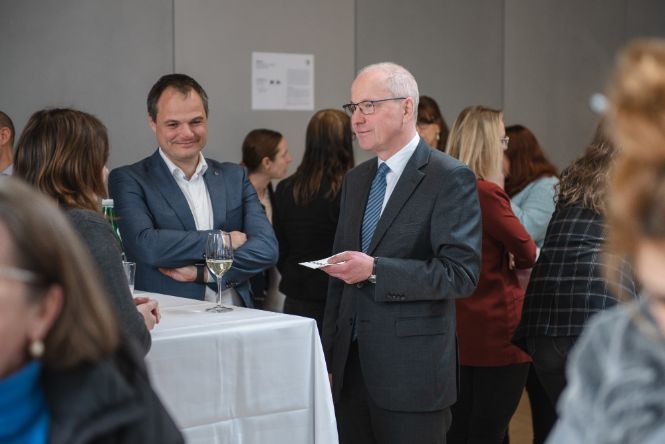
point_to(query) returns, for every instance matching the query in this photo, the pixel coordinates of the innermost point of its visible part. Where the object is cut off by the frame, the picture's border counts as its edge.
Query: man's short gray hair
(399, 81)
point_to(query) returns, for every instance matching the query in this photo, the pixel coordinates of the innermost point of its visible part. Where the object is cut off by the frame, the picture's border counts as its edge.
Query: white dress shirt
(198, 198)
(397, 162)
(195, 191)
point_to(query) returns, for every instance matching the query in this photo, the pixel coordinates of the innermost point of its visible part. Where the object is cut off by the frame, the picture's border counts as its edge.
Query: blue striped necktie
(377, 192)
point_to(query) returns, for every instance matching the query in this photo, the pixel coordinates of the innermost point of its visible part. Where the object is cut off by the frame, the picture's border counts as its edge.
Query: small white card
(318, 263)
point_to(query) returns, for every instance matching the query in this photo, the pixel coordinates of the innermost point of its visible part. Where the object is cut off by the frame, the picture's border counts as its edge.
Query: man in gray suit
(408, 244)
(168, 203)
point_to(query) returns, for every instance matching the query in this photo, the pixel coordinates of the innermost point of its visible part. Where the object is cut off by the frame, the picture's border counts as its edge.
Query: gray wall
(214, 43)
(539, 60)
(98, 56)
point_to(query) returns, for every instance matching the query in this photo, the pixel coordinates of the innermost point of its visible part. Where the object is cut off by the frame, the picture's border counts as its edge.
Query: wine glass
(219, 258)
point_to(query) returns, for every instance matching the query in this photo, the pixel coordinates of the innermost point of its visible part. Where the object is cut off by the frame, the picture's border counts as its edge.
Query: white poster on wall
(282, 81)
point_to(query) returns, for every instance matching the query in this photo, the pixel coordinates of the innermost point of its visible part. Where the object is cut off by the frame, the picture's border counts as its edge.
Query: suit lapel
(407, 183)
(217, 191)
(169, 189)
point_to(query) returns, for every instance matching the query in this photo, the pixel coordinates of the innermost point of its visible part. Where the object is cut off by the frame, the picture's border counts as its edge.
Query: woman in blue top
(531, 181)
(67, 373)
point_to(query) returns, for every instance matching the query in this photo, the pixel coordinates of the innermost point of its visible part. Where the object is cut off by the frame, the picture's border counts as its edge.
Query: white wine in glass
(219, 258)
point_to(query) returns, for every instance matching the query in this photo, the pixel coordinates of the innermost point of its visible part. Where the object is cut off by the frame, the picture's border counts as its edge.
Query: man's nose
(357, 116)
(187, 131)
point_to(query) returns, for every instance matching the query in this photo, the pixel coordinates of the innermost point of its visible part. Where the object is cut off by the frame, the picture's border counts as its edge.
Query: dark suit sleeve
(335, 289)
(260, 250)
(143, 241)
(453, 267)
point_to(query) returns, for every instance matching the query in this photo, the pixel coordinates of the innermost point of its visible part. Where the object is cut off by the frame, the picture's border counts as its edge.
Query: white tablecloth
(241, 377)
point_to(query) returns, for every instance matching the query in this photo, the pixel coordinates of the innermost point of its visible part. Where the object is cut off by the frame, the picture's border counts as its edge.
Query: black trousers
(543, 413)
(487, 400)
(361, 421)
(550, 355)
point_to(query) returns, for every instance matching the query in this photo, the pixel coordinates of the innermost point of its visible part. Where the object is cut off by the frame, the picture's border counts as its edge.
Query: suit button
(350, 321)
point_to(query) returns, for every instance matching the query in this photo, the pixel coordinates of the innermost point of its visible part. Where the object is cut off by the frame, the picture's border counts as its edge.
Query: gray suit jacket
(428, 246)
(158, 228)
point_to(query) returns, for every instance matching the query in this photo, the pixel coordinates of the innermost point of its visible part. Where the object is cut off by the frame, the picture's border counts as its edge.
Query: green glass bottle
(109, 214)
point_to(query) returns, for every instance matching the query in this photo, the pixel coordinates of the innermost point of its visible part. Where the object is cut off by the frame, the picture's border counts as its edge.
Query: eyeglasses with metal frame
(366, 107)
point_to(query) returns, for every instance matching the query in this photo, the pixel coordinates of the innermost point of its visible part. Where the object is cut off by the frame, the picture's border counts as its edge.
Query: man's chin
(365, 145)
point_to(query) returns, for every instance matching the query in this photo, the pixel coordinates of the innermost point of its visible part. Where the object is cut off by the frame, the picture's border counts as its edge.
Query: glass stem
(219, 291)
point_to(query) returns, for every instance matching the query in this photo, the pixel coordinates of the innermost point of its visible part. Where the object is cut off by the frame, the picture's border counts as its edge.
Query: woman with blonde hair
(63, 154)
(493, 371)
(616, 390)
(67, 374)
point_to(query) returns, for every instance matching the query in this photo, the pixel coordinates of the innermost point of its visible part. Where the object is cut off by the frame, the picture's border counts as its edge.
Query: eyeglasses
(366, 106)
(504, 142)
(17, 274)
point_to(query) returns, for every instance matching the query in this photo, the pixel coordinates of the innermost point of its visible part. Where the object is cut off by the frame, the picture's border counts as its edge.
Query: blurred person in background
(67, 373)
(616, 373)
(6, 144)
(63, 154)
(307, 210)
(567, 284)
(266, 156)
(493, 370)
(531, 181)
(430, 123)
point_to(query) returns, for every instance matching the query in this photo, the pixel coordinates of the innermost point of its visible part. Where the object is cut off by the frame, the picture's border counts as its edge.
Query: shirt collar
(178, 173)
(397, 162)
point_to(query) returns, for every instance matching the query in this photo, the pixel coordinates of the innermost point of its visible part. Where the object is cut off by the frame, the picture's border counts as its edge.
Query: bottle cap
(107, 202)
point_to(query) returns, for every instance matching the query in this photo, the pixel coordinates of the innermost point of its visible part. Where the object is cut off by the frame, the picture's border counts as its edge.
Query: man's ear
(408, 109)
(5, 135)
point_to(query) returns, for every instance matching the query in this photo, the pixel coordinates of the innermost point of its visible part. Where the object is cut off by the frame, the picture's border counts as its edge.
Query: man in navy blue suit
(168, 202)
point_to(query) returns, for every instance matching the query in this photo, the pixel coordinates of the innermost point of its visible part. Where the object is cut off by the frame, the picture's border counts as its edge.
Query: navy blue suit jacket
(158, 228)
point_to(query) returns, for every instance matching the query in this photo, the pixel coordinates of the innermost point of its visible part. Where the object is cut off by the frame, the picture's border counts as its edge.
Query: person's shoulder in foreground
(127, 411)
(616, 381)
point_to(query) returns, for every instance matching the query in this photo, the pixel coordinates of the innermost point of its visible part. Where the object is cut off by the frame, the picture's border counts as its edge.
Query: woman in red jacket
(493, 370)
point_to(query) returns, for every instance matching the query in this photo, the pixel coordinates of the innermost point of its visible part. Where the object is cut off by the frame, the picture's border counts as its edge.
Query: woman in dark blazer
(493, 370)
(568, 284)
(307, 209)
